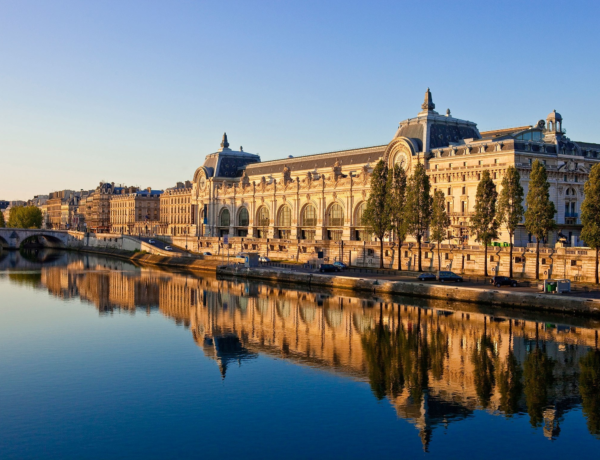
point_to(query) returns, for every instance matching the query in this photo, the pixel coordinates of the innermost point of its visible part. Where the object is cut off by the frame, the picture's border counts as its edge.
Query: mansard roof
(322, 160)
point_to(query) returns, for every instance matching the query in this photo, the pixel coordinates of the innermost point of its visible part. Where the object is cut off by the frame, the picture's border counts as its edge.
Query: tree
(375, 217)
(396, 200)
(590, 212)
(2, 223)
(417, 211)
(483, 221)
(25, 217)
(510, 206)
(589, 388)
(439, 222)
(539, 217)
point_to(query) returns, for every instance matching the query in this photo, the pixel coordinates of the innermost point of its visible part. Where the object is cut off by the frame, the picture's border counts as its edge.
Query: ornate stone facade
(320, 198)
(135, 211)
(176, 210)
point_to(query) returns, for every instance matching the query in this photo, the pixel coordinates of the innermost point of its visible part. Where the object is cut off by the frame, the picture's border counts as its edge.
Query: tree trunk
(485, 272)
(381, 252)
(419, 249)
(439, 258)
(537, 258)
(511, 255)
(597, 249)
(399, 255)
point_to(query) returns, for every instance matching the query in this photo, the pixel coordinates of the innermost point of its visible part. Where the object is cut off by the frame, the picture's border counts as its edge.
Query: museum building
(322, 197)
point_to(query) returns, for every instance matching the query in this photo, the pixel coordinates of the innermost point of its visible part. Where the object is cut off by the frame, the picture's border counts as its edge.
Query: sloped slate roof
(322, 160)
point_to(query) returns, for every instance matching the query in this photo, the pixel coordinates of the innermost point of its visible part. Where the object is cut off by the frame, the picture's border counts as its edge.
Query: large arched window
(285, 217)
(262, 217)
(335, 216)
(309, 216)
(243, 218)
(225, 218)
(358, 217)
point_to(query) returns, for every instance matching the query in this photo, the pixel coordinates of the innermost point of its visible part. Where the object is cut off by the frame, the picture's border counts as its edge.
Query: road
(529, 286)
(162, 245)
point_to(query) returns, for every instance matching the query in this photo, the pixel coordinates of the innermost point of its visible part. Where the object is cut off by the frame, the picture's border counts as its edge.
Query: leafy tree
(396, 200)
(538, 376)
(510, 205)
(2, 223)
(483, 359)
(589, 388)
(375, 216)
(417, 211)
(440, 221)
(483, 221)
(25, 217)
(590, 212)
(539, 217)
(509, 377)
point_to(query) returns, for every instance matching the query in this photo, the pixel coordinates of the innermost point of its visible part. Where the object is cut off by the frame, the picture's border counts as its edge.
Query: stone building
(55, 203)
(98, 218)
(176, 210)
(135, 211)
(300, 204)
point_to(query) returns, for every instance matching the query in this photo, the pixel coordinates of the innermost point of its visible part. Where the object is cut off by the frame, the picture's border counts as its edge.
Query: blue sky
(138, 92)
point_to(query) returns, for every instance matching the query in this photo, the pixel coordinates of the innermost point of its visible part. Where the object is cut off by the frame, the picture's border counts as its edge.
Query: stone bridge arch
(13, 238)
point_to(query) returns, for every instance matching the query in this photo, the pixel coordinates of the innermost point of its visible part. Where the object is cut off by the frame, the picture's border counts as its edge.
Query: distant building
(135, 211)
(176, 210)
(98, 219)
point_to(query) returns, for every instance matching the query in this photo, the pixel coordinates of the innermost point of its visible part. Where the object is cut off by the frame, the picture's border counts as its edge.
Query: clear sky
(138, 92)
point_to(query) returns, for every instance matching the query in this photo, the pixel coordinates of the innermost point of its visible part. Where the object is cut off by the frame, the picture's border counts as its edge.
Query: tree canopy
(510, 205)
(25, 217)
(375, 216)
(440, 221)
(590, 212)
(2, 222)
(539, 217)
(483, 221)
(395, 204)
(418, 206)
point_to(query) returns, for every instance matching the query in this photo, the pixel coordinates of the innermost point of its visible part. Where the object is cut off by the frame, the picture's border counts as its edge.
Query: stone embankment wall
(577, 264)
(449, 293)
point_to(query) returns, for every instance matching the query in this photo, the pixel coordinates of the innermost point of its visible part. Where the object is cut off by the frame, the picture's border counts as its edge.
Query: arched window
(262, 217)
(244, 218)
(285, 217)
(309, 216)
(360, 210)
(336, 216)
(225, 218)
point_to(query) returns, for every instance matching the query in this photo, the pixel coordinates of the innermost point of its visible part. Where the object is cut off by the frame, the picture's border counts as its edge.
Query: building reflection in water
(434, 365)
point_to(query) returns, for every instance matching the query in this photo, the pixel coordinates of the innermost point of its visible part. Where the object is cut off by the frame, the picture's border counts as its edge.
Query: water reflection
(435, 366)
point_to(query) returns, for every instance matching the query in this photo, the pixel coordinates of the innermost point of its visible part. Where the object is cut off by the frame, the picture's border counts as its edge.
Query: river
(100, 358)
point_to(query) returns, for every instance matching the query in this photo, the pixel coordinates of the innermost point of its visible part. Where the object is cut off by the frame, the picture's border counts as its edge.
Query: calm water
(102, 359)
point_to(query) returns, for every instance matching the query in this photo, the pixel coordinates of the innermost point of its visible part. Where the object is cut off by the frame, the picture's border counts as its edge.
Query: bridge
(13, 238)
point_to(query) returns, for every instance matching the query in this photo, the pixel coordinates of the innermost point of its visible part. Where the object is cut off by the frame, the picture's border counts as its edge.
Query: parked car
(426, 277)
(449, 276)
(264, 259)
(168, 248)
(340, 265)
(503, 281)
(328, 268)
(206, 253)
(151, 241)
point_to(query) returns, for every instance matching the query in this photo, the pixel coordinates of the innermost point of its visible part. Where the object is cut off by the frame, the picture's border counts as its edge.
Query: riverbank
(451, 293)
(183, 263)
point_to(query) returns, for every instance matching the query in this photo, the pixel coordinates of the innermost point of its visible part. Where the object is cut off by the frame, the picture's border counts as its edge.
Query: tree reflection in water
(589, 388)
(537, 371)
(483, 359)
